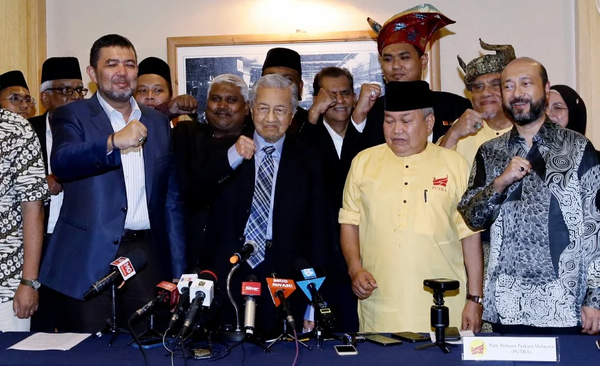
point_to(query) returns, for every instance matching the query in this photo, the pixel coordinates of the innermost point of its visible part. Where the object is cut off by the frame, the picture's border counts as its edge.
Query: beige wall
(542, 29)
(588, 72)
(23, 47)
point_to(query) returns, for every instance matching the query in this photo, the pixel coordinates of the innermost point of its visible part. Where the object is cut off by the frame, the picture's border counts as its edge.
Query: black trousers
(93, 315)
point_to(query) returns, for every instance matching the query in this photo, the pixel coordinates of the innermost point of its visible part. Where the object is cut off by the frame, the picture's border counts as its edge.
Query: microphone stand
(286, 335)
(149, 334)
(111, 326)
(237, 335)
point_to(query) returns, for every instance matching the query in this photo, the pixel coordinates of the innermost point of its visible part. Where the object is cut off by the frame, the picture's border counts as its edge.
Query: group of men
(355, 185)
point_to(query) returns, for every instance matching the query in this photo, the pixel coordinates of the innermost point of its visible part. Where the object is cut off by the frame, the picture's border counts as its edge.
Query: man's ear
(424, 61)
(92, 73)
(44, 100)
(430, 120)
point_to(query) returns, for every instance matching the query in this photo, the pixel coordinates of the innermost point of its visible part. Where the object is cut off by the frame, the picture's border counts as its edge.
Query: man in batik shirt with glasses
(14, 94)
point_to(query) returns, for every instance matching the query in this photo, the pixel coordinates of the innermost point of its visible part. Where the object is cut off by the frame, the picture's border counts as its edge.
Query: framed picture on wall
(195, 61)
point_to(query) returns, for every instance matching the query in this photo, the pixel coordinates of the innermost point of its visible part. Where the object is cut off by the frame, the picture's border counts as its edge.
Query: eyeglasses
(278, 111)
(17, 99)
(69, 91)
(556, 110)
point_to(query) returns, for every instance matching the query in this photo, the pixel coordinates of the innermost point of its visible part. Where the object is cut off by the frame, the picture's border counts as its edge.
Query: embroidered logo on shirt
(440, 182)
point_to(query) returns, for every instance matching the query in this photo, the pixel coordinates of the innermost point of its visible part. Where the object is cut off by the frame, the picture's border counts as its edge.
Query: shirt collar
(544, 136)
(136, 112)
(260, 143)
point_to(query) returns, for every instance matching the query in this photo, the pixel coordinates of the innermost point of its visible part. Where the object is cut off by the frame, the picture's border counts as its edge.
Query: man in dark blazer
(61, 84)
(294, 212)
(121, 194)
(337, 141)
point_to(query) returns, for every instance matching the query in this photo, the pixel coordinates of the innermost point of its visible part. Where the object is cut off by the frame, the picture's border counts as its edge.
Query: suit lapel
(148, 151)
(98, 116)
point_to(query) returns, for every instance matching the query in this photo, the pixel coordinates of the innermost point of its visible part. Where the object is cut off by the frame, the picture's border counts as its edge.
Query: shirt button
(241, 238)
(405, 183)
(116, 241)
(404, 201)
(407, 166)
(124, 209)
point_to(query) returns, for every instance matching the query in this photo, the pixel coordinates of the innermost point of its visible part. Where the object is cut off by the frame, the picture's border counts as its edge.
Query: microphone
(251, 289)
(121, 267)
(280, 289)
(247, 250)
(184, 290)
(310, 282)
(166, 294)
(202, 294)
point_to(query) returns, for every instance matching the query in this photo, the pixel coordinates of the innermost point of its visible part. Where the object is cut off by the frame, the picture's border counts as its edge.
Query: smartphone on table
(411, 337)
(345, 350)
(382, 340)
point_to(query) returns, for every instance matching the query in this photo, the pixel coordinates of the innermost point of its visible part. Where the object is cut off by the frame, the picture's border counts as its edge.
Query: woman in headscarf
(566, 108)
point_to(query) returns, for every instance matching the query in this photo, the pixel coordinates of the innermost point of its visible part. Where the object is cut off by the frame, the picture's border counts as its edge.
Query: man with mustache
(399, 223)
(120, 193)
(14, 94)
(536, 187)
(194, 145)
(487, 119)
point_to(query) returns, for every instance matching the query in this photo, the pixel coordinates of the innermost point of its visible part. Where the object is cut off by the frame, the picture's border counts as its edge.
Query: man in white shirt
(121, 193)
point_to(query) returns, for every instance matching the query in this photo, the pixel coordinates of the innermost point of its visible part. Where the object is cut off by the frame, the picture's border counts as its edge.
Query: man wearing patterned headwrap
(401, 43)
(487, 119)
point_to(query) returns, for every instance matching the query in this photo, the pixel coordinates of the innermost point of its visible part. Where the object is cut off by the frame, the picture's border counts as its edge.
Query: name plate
(510, 349)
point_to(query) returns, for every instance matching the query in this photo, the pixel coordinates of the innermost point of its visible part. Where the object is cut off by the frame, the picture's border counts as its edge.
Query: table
(574, 350)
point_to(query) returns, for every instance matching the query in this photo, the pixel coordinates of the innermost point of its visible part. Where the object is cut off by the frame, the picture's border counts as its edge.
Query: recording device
(184, 291)
(411, 337)
(243, 254)
(201, 294)
(251, 289)
(310, 280)
(382, 340)
(122, 267)
(345, 350)
(166, 295)
(280, 289)
(441, 284)
(440, 318)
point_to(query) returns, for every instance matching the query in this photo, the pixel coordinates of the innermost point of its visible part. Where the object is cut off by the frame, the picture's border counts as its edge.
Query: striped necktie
(256, 228)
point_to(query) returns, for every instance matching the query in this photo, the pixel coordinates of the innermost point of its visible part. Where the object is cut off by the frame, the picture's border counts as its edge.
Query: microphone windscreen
(301, 263)
(208, 275)
(138, 259)
(252, 278)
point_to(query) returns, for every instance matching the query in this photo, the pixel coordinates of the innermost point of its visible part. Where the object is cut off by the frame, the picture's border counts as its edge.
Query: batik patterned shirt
(22, 179)
(544, 259)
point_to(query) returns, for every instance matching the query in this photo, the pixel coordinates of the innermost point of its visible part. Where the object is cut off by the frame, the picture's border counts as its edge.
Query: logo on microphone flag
(251, 288)
(275, 284)
(125, 267)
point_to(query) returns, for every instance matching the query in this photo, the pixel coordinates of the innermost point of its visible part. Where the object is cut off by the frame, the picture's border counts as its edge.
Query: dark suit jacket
(39, 126)
(447, 108)
(90, 226)
(299, 228)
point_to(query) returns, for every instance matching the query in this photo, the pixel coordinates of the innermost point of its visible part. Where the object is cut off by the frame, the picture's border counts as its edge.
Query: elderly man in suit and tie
(120, 192)
(269, 190)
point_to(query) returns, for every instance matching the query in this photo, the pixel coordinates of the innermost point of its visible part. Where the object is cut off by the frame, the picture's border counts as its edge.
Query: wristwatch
(476, 299)
(34, 284)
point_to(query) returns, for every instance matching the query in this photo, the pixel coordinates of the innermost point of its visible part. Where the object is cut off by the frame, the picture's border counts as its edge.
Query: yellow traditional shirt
(409, 230)
(469, 145)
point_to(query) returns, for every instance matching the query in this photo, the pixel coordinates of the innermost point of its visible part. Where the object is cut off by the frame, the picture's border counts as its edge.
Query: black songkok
(153, 65)
(57, 68)
(403, 96)
(12, 78)
(283, 57)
